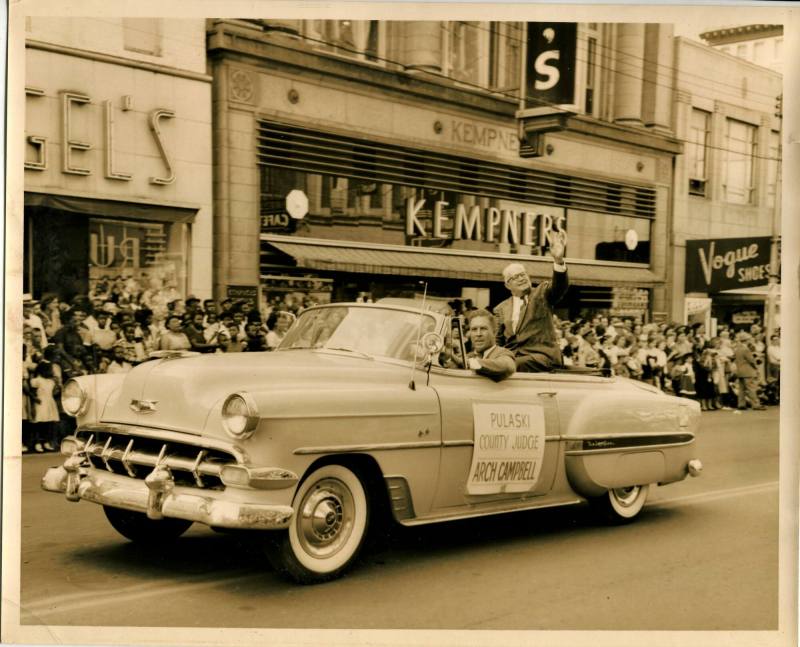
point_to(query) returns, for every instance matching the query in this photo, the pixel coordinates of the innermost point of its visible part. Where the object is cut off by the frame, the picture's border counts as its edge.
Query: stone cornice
(744, 32)
(268, 51)
(117, 60)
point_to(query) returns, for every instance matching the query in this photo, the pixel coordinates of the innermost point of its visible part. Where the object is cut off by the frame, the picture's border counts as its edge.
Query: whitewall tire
(621, 505)
(331, 513)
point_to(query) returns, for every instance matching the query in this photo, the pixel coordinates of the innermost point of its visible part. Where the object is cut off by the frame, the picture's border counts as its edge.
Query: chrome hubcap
(626, 496)
(325, 518)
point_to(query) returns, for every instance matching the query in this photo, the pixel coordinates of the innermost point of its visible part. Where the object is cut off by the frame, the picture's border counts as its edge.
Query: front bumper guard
(158, 497)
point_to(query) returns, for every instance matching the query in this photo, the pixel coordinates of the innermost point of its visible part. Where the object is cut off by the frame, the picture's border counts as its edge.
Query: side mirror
(432, 343)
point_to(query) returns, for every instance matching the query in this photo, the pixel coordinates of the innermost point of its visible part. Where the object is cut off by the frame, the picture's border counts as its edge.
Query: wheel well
(366, 468)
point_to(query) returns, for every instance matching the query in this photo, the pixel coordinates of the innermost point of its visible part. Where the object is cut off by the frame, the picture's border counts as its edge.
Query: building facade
(363, 158)
(727, 184)
(118, 155)
(759, 44)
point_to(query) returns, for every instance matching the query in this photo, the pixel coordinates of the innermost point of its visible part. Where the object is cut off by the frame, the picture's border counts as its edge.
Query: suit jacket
(535, 330)
(498, 365)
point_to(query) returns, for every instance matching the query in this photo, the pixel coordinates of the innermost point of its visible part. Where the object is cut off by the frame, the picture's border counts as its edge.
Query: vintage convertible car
(350, 417)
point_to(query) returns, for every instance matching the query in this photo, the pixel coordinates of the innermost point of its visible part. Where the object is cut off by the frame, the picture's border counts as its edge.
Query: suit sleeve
(558, 287)
(499, 367)
(500, 326)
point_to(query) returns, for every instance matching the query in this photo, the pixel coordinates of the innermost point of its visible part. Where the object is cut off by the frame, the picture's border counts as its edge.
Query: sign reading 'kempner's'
(726, 264)
(508, 450)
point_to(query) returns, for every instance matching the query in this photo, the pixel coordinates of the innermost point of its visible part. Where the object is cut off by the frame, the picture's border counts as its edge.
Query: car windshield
(378, 332)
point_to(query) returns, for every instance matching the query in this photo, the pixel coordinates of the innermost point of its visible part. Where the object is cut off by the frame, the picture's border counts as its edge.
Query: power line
(671, 70)
(503, 93)
(476, 86)
(734, 92)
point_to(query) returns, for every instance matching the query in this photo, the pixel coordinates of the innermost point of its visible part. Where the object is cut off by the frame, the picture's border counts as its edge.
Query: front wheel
(621, 505)
(139, 528)
(331, 512)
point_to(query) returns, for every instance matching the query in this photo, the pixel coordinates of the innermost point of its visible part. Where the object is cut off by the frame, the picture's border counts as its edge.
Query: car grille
(136, 456)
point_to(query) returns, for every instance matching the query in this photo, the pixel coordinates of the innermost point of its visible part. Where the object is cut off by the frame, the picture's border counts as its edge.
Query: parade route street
(702, 556)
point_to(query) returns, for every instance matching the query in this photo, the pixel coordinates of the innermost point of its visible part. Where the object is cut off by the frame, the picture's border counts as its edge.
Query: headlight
(240, 415)
(73, 398)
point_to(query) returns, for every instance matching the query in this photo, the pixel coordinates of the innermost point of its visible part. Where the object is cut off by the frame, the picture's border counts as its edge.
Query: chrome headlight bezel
(241, 424)
(68, 398)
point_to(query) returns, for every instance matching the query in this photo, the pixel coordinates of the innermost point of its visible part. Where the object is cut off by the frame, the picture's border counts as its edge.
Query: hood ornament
(143, 406)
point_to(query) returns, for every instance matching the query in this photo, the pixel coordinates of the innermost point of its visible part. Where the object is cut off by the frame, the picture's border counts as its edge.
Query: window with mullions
(773, 160)
(467, 43)
(505, 42)
(697, 151)
(361, 39)
(740, 146)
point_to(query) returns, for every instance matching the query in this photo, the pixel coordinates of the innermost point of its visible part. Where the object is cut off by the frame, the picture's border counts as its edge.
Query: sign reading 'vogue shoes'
(727, 264)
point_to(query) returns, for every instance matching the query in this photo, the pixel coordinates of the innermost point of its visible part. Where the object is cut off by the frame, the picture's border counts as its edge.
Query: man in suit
(487, 358)
(526, 317)
(746, 372)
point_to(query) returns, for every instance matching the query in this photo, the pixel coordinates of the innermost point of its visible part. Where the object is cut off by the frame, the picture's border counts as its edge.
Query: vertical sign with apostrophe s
(550, 64)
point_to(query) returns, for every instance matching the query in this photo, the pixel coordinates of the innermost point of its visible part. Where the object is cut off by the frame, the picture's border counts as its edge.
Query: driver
(487, 358)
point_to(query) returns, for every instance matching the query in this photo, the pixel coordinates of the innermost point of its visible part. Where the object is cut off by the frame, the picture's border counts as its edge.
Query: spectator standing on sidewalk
(774, 358)
(174, 338)
(746, 372)
(45, 409)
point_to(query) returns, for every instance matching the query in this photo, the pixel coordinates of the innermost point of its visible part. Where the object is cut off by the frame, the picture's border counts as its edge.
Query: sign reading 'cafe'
(727, 264)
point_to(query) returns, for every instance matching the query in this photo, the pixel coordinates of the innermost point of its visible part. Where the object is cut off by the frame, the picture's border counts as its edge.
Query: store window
(360, 39)
(607, 237)
(144, 254)
(740, 151)
(142, 35)
(697, 151)
(344, 208)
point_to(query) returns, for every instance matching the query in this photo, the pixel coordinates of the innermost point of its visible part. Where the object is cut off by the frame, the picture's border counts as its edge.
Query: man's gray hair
(511, 269)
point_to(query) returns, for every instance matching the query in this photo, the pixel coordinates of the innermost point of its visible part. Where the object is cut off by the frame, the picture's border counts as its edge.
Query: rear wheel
(621, 505)
(139, 528)
(331, 512)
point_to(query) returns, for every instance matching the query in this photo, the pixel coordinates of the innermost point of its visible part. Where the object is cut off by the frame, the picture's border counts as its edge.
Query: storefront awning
(337, 256)
(102, 208)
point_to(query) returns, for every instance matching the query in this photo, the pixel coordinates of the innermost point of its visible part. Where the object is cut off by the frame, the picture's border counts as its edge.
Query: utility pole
(774, 271)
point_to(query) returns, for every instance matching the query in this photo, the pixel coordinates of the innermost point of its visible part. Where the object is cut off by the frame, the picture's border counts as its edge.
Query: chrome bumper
(158, 497)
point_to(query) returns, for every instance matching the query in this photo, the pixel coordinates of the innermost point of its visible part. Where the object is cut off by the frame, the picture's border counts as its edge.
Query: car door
(499, 439)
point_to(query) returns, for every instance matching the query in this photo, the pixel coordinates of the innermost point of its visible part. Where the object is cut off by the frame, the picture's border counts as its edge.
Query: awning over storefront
(111, 208)
(339, 256)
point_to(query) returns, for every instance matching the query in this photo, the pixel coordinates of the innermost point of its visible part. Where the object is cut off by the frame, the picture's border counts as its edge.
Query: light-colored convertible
(310, 442)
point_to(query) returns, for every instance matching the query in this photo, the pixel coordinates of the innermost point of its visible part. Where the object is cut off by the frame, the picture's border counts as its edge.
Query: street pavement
(702, 556)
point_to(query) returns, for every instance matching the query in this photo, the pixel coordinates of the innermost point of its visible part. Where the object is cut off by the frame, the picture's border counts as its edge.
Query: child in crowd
(45, 409)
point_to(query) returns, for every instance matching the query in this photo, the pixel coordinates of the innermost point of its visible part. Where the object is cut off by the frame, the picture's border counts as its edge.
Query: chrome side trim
(632, 448)
(458, 443)
(316, 416)
(471, 443)
(168, 436)
(367, 447)
(628, 435)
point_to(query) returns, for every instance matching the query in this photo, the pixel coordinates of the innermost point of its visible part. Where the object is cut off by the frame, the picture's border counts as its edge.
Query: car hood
(183, 392)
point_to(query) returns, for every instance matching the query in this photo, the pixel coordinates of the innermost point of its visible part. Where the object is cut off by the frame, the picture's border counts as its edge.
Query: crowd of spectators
(734, 369)
(116, 326)
(717, 371)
